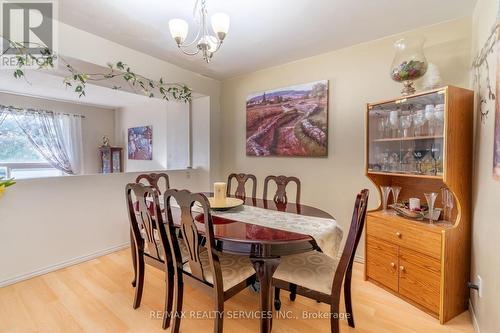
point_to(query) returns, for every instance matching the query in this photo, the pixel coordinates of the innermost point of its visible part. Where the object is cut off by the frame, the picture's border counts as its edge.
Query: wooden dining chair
(241, 179)
(225, 274)
(149, 242)
(320, 277)
(280, 197)
(159, 181)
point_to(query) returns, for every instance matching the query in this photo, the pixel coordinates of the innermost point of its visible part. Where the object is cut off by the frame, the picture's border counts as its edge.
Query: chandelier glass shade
(205, 42)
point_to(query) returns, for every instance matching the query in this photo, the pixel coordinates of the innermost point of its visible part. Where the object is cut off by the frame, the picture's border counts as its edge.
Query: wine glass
(395, 193)
(382, 125)
(386, 190)
(429, 116)
(435, 154)
(394, 122)
(419, 155)
(395, 162)
(385, 160)
(419, 122)
(431, 199)
(439, 119)
(405, 122)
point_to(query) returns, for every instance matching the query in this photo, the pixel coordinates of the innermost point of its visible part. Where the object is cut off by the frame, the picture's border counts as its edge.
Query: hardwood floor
(96, 296)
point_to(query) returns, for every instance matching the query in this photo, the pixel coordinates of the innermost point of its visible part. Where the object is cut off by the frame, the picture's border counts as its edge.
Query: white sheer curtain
(58, 137)
(71, 128)
(3, 113)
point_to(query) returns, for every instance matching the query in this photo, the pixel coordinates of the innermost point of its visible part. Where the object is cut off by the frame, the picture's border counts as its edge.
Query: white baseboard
(473, 317)
(63, 264)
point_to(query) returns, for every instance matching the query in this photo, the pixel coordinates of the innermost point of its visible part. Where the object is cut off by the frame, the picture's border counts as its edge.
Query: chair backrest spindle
(281, 183)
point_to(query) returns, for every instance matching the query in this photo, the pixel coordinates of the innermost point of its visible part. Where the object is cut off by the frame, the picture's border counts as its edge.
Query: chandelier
(204, 42)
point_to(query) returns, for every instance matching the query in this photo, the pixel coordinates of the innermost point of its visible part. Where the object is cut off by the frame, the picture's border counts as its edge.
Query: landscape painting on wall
(140, 143)
(291, 121)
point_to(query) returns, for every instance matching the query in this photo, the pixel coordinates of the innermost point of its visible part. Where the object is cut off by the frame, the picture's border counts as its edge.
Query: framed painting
(289, 121)
(140, 143)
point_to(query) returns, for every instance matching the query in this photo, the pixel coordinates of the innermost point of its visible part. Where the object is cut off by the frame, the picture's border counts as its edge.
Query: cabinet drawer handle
(393, 265)
(402, 268)
(398, 234)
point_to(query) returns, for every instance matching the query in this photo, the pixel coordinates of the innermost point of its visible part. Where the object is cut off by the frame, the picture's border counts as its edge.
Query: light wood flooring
(96, 296)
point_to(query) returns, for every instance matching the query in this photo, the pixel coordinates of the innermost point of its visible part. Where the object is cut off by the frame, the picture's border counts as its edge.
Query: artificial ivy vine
(77, 80)
(480, 61)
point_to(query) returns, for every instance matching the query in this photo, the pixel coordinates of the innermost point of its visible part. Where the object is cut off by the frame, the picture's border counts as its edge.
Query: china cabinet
(111, 159)
(422, 144)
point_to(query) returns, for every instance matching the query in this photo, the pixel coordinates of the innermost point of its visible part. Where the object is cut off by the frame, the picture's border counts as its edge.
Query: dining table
(264, 245)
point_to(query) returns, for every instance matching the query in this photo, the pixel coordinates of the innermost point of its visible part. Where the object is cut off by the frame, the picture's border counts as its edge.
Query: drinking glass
(419, 155)
(394, 122)
(382, 126)
(386, 190)
(439, 119)
(429, 116)
(419, 122)
(395, 162)
(436, 155)
(385, 160)
(431, 199)
(395, 193)
(405, 122)
(448, 202)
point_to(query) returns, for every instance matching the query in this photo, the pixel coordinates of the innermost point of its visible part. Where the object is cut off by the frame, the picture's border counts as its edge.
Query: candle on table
(414, 203)
(220, 193)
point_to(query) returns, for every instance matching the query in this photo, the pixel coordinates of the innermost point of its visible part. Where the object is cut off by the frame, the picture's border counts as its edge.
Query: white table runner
(326, 232)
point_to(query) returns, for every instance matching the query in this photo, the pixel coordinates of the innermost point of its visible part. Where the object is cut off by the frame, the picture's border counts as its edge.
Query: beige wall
(70, 219)
(486, 218)
(357, 75)
(97, 123)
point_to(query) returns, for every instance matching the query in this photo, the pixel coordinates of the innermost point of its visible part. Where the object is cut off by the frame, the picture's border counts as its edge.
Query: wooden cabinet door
(419, 278)
(382, 262)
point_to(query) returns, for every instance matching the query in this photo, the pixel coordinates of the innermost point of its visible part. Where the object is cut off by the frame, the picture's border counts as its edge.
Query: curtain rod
(41, 110)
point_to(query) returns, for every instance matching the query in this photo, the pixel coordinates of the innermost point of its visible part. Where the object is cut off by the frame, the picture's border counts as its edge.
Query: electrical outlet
(480, 286)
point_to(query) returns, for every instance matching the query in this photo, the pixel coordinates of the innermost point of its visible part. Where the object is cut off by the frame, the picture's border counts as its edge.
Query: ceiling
(263, 33)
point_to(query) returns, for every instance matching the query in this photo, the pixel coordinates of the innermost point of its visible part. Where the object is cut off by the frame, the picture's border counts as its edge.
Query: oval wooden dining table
(264, 246)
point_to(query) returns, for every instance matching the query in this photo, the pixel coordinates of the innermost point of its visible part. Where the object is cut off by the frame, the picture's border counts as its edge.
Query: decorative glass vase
(431, 199)
(409, 63)
(386, 190)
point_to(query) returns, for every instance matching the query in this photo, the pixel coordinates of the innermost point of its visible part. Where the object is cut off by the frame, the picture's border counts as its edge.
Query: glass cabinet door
(406, 136)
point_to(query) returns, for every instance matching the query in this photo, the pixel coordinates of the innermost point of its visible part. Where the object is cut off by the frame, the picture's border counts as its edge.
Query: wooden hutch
(426, 264)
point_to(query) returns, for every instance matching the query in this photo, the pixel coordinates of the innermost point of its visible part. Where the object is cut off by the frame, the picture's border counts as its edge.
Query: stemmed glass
(419, 122)
(419, 155)
(435, 154)
(386, 190)
(382, 126)
(395, 193)
(429, 116)
(439, 119)
(405, 125)
(394, 122)
(431, 199)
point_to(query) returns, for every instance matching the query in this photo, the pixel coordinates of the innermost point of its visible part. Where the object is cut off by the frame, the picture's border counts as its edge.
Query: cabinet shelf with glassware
(419, 144)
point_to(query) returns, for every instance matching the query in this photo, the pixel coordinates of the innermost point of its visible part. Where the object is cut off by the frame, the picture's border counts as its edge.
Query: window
(18, 157)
